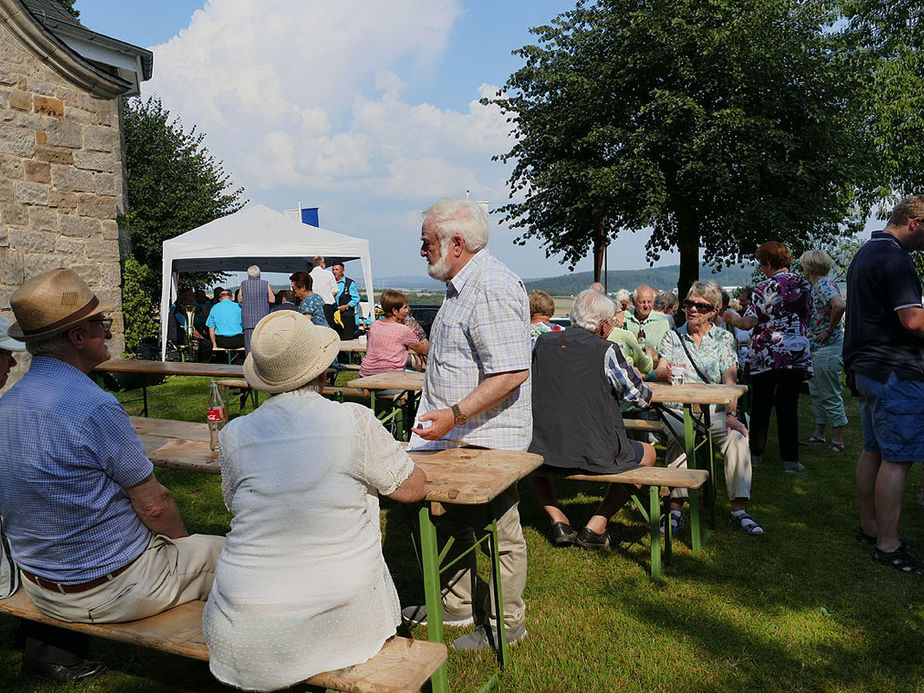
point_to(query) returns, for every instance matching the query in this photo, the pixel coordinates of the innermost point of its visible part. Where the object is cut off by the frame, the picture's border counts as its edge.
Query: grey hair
(317, 261)
(708, 289)
(597, 286)
(460, 216)
(47, 346)
(253, 272)
(623, 295)
(816, 262)
(589, 308)
(665, 300)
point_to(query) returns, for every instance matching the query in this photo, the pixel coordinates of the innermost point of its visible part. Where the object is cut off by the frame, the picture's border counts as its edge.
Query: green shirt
(655, 327)
(631, 350)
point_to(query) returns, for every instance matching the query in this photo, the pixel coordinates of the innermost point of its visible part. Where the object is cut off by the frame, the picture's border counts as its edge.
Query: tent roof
(257, 235)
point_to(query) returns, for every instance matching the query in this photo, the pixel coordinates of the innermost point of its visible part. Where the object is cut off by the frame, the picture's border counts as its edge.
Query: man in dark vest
(347, 299)
(579, 380)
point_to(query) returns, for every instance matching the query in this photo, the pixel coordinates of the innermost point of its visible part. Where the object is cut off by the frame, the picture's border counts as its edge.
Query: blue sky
(367, 110)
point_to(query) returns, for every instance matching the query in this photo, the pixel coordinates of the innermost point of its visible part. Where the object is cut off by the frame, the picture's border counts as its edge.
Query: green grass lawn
(801, 608)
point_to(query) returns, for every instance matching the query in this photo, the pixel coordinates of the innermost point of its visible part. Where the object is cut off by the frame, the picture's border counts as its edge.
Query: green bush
(137, 306)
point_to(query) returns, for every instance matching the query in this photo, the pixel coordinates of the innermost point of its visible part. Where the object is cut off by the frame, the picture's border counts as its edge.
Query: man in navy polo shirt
(884, 359)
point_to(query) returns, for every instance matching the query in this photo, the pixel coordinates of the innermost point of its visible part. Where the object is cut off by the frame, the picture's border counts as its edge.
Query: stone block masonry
(62, 183)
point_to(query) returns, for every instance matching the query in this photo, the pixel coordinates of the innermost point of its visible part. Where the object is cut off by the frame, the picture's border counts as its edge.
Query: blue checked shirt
(481, 329)
(67, 451)
(625, 380)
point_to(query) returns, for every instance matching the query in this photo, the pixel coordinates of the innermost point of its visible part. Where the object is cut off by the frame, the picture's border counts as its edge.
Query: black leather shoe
(596, 542)
(59, 673)
(561, 534)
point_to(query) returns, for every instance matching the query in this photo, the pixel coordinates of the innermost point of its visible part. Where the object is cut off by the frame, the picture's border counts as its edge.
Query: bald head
(644, 301)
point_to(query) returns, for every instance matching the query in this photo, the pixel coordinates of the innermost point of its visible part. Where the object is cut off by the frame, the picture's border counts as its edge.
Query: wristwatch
(459, 416)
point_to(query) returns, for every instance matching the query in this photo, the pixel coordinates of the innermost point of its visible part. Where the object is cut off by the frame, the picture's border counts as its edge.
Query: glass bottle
(216, 415)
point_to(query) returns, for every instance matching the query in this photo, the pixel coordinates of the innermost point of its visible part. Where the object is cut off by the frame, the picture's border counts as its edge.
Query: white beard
(440, 271)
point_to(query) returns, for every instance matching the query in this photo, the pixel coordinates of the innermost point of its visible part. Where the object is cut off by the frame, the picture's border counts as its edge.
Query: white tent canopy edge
(255, 235)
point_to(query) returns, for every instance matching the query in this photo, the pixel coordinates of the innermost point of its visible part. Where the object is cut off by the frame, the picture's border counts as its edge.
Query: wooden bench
(402, 665)
(642, 425)
(658, 480)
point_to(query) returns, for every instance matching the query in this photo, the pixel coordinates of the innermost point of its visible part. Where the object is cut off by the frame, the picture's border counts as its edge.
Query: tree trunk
(599, 249)
(688, 246)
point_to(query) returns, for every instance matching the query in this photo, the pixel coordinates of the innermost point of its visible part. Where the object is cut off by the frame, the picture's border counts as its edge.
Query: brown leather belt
(65, 588)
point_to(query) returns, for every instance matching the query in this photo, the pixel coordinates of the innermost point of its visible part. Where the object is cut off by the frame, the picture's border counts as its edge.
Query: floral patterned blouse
(822, 292)
(539, 328)
(781, 305)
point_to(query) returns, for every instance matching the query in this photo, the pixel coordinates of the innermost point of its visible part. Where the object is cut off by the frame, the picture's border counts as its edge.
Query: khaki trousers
(464, 523)
(734, 449)
(168, 573)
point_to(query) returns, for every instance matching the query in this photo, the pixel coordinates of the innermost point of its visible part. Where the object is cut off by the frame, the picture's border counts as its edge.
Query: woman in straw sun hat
(302, 586)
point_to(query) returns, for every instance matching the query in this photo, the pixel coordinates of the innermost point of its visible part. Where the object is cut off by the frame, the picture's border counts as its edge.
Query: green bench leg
(689, 434)
(498, 595)
(654, 502)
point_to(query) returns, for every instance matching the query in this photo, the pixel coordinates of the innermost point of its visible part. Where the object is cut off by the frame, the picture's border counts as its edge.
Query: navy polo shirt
(880, 281)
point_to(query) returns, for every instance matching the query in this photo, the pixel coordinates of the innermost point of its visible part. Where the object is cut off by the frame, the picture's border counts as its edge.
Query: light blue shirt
(225, 318)
(67, 451)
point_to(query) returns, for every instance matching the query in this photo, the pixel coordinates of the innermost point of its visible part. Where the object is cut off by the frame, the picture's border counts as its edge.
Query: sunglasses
(697, 306)
(105, 322)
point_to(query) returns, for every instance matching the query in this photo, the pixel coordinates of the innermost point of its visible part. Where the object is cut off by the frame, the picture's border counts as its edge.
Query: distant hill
(661, 278)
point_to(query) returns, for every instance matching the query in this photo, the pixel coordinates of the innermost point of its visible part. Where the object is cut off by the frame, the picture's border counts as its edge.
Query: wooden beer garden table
(695, 399)
(458, 476)
(409, 382)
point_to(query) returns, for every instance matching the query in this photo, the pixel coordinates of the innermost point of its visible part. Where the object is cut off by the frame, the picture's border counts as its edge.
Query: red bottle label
(216, 414)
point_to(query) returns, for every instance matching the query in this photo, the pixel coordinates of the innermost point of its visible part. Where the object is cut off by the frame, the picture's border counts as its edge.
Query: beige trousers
(464, 523)
(734, 449)
(168, 573)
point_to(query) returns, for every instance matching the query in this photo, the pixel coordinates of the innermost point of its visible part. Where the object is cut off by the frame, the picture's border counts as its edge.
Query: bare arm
(411, 489)
(212, 335)
(269, 291)
(912, 319)
(739, 321)
(156, 508)
(421, 347)
(490, 391)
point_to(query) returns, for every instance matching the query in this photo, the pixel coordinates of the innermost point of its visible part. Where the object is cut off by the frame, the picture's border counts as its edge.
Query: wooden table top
(392, 380)
(462, 476)
(354, 345)
(695, 393)
(212, 370)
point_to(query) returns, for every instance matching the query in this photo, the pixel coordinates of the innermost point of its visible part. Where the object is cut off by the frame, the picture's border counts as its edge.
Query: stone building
(62, 169)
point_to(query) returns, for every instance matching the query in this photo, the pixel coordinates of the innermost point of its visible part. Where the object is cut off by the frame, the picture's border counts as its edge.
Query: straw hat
(7, 342)
(52, 302)
(287, 350)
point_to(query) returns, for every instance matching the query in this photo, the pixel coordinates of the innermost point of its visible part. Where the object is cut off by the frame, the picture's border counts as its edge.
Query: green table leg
(689, 434)
(432, 594)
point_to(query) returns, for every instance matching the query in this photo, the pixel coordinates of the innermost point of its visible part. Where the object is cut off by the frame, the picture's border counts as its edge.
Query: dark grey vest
(576, 419)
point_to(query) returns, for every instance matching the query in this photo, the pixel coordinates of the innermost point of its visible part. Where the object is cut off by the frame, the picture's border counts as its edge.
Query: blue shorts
(893, 417)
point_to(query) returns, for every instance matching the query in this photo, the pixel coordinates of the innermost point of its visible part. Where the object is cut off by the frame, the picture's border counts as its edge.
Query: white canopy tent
(256, 235)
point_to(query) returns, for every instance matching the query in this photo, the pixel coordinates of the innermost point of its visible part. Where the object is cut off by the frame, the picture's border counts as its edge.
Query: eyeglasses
(697, 306)
(105, 322)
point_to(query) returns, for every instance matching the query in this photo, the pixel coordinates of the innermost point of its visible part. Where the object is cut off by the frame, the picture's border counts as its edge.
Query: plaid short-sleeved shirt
(67, 451)
(481, 329)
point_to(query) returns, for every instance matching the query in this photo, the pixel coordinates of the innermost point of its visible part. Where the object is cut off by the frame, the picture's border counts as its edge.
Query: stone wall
(61, 181)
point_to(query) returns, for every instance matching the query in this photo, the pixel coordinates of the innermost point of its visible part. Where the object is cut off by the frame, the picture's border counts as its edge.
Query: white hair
(253, 272)
(589, 308)
(623, 295)
(460, 216)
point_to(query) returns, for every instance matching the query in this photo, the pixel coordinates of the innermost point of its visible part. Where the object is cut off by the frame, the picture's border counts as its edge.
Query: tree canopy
(716, 124)
(174, 185)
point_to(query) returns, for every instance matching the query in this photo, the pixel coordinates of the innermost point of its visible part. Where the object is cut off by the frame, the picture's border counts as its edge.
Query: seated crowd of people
(299, 584)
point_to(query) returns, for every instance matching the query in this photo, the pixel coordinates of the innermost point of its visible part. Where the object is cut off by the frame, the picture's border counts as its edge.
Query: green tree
(174, 185)
(68, 5)
(716, 124)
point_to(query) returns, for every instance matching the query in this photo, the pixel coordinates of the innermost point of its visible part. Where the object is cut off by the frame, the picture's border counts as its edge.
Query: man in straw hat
(476, 392)
(302, 475)
(97, 538)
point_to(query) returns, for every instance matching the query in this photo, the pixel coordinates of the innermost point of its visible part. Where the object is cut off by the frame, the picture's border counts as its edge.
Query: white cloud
(307, 101)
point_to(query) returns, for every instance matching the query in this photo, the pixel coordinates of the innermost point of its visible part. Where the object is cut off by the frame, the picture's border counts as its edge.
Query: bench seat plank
(401, 666)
